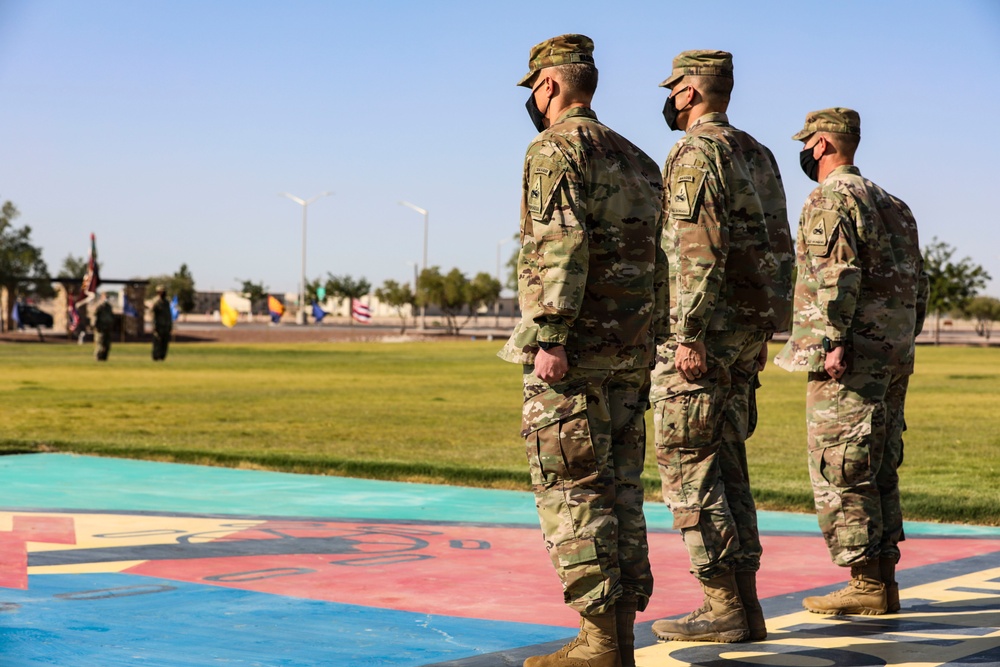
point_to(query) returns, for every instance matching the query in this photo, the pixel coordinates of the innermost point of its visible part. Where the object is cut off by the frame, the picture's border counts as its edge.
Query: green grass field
(444, 412)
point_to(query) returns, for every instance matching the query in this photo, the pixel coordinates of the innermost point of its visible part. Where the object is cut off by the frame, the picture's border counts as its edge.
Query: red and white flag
(361, 313)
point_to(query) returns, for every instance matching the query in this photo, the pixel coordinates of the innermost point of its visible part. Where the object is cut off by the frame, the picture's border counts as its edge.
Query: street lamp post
(415, 266)
(300, 316)
(423, 212)
(496, 306)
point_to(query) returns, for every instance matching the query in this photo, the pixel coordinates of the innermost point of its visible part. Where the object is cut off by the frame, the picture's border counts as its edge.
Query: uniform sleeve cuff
(835, 334)
(690, 334)
(551, 332)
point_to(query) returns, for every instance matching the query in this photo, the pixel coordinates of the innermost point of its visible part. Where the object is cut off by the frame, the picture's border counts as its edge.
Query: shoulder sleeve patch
(543, 176)
(821, 225)
(686, 184)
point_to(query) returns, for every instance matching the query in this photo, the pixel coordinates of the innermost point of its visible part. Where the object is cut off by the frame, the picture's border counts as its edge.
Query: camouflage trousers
(701, 431)
(161, 340)
(855, 447)
(102, 345)
(585, 438)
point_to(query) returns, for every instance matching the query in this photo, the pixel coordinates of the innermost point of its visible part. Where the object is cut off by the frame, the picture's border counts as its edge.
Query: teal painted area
(63, 481)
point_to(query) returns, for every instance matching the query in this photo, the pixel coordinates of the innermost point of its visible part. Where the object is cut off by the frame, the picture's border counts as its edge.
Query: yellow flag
(229, 314)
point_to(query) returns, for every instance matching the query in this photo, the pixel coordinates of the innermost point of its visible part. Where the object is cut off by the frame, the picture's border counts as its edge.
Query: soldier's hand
(834, 364)
(551, 365)
(762, 357)
(691, 360)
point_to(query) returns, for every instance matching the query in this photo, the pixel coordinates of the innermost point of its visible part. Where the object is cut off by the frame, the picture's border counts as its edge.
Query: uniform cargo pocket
(557, 436)
(841, 450)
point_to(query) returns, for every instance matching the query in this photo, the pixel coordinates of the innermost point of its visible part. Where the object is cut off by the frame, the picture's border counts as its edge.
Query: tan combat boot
(864, 594)
(625, 609)
(746, 583)
(719, 619)
(595, 646)
(887, 570)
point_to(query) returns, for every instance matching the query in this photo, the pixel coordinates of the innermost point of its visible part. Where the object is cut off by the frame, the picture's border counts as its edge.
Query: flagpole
(423, 307)
(496, 306)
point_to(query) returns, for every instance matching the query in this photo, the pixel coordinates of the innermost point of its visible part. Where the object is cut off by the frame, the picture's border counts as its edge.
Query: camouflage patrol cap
(700, 63)
(561, 50)
(837, 119)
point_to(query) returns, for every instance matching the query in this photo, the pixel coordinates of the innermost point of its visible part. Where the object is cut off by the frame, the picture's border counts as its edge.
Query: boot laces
(705, 607)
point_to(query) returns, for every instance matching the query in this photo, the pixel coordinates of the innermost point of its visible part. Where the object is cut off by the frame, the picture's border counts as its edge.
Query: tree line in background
(954, 285)
(954, 289)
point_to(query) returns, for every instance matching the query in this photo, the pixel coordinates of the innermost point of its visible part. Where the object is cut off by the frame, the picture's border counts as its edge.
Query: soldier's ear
(551, 86)
(825, 147)
(690, 96)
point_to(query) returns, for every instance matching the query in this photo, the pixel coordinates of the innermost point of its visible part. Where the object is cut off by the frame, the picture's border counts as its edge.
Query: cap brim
(803, 134)
(528, 78)
(671, 80)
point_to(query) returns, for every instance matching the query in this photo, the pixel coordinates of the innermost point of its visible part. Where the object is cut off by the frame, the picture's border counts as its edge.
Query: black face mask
(670, 114)
(537, 115)
(809, 164)
(670, 111)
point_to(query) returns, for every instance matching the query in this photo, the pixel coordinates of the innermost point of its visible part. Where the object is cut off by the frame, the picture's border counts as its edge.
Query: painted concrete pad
(108, 562)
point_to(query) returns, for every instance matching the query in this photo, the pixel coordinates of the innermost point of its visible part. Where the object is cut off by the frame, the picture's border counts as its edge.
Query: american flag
(72, 313)
(361, 313)
(91, 280)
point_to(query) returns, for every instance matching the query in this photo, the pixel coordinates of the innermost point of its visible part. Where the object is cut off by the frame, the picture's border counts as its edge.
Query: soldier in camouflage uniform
(104, 320)
(163, 323)
(591, 284)
(729, 249)
(860, 300)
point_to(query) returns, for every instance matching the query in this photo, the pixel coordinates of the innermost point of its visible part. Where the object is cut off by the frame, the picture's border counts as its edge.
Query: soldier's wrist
(829, 344)
(690, 336)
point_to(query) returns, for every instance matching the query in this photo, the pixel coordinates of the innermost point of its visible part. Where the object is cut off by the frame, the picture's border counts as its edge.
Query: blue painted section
(76, 620)
(63, 481)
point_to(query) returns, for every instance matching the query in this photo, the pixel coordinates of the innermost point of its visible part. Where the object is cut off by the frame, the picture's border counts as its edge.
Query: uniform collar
(845, 169)
(576, 112)
(717, 117)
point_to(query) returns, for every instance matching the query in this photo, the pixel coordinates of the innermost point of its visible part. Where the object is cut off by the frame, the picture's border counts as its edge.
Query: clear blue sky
(168, 127)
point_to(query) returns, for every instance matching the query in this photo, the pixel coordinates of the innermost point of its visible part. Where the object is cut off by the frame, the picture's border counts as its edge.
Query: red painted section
(13, 561)
(488, 573)
(51, 529)
(13, 548)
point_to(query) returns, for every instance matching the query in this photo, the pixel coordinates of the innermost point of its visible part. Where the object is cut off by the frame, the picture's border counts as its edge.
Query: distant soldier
(104, 320)
(860, 300)
(163, 322)
(590, 278)
(730, 253)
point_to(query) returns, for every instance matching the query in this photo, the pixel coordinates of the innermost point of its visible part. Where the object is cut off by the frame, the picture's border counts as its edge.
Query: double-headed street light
(423, 212)
(300, 315)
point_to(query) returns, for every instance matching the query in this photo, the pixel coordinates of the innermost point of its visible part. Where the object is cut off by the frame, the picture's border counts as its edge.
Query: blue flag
(318, 313)
(127, 308)
(15, 314)
(175, 310)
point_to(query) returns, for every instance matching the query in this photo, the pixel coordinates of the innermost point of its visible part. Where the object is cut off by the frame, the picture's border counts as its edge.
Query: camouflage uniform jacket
(727, 236)
(860, 278)
(104, 318)
(162, 319)
(590, 271)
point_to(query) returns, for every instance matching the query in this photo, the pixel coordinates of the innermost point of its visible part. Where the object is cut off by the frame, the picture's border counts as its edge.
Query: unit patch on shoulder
(820, 228)
(543, 177)
(535, 195)
(685, 191)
